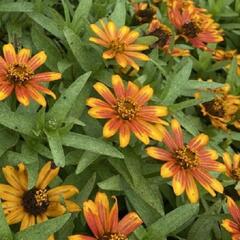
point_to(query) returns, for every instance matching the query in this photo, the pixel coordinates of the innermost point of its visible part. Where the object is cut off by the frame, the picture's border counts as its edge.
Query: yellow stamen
(18, 73)
(113, 236)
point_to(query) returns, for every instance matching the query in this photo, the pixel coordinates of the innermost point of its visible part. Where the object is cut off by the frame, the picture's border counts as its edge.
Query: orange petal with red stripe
(118, 86)
(22, 95)
(179, 182)
(102, 112)
(35, 95)
(231, 226)
(159, 153)
(9, 53)
(5, 90)
(233, 209)
(46, 77)
(124, 135)
(144, 95)
(191, 189)
(37, 60)
(23, 55)
(169, 169)
(111, 127)
(105, 92)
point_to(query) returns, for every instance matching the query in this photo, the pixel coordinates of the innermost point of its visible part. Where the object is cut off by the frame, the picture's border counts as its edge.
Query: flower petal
(35, 95)
(109, 54)
(177, 132)
(5, 90)
(23, 55)
(9, 53)
(121, 60)
(132, 89)
(46, 77)
(55, 209)
(15, 216)
(65, 191)
(198, 142)
(124, 135)
(160, 154)
(22, 95)
(113, 217)
(191, 189)
(27, 221)
(231, 226)
(95, 102)
(118, 86)
(129, 223)
(102, 112)
(111, 127)
(80, 237)
(179, 182)
(131, 37)
(169, 169)
(98, 41)
(105, 93)
(233, 209)
(72, 206)
(144, 95)
(137, 55)
(37, 60)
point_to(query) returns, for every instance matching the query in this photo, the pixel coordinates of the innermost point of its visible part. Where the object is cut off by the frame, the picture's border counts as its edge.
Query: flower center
(146, 15)
(163, 37)
(127, 108)
(35, 201)
(113, 236)
(18, 73)
(215, 107)
(190, 29)
(117, 46)
(186, 158)
(236, 174)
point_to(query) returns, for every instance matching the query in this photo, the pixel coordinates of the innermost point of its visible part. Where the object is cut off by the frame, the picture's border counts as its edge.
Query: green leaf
(64, 104)
(81, 13)
(88, 58)
(43, 230)
(118, 15)
(19, 122)
(16, 7)
(232, 77)
(172, 221)
(111, 184)
(91, 144)
(86, 160)
(5, 231)
(55, 144)
(177, 83)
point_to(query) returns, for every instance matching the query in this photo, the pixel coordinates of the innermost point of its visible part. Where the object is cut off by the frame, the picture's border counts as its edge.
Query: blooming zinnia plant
(128, 111)
(17, 73)
(120, 43)
(35, 205)
(104, 221)
(188, 163)
(233, 225)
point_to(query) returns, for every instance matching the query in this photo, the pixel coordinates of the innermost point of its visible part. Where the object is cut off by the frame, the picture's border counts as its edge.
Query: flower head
(17, 73)
(233, 226)
(120, 44)
(222, 109)
(164, 34)
(36, 205)
(193, 23)
(103, 220)
(188, 163)
(127, 111)
(144, 12)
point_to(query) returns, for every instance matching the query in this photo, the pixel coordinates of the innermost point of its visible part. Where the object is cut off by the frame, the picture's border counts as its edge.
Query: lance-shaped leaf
(119, 13)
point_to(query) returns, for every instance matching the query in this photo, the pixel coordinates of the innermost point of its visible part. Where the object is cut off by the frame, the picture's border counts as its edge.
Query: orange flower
(104, 222)
(144, 12)
(127, 111)
(193, 23)
(17, 73)
(164, 34)
(220, 55)
(120, 44)
(188, 163)
(233, 226)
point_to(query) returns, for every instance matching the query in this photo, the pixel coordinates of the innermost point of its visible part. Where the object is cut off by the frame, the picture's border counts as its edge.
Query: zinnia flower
(222, 110)
(120, 44)
(193, 23)
(103, 220)
(36, 205)
(144, 12)
(220, 55)
(127, 111)
(17, 73)
(188, 163)
(233, 226)
(164, 34)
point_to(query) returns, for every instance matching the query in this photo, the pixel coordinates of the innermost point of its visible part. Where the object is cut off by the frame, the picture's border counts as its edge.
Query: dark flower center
(113, 236)
(146, 15)
(35, 201)
(127, 108)
(117, 46)
(18, 74)
(163, 37)
(236, 174)
(190, 29)
(215, 107)
(186, 158)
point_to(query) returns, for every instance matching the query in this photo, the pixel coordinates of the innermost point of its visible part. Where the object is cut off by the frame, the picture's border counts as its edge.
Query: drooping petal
(27, 221)
(129, 223)
(37, 60)
(23, 55)
(118, 86)
(44, 90)
(121, 60)
(65, 191)
(139, 132)
(48, 172)
(124, 135)
(113, 217)
(109, 54)
(191, 189)
(55, 209)
(22, 95)
(169, 169)
(105, 93)
(35, 95)
(179, 182)
(9, 53)
(111, 127)
(160, 154)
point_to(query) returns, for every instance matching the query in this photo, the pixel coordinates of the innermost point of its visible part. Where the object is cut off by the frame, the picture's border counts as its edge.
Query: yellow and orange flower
(220, 55)
(194, 24)
(36, 205)
(103, 220)
(188, 163)
(233, 226)
(222, 110)
(121, 44)
(17, 73)
(144, 12)
(127, 111)
(164, 34)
